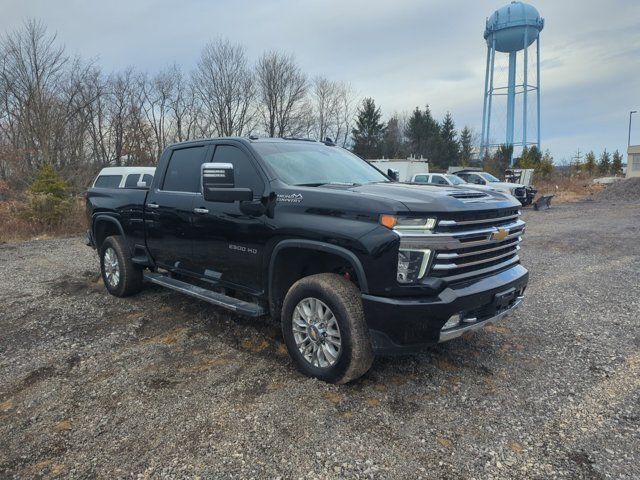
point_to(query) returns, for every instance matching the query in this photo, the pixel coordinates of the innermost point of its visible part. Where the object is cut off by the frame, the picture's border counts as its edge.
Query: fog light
(453, 321)
(412, 264)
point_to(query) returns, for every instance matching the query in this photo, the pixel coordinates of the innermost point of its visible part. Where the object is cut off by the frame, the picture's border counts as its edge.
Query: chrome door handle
(200, 210)
(153, 205)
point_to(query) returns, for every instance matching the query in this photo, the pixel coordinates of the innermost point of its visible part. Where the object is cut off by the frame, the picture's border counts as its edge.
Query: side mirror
(218, 184)
(142, 184)
(393, 174)
(479, 181)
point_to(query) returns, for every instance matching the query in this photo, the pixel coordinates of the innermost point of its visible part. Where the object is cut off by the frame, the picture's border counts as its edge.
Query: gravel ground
(622, 190)
(162, 386)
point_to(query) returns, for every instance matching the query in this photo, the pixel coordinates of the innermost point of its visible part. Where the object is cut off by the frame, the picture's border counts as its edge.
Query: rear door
(169, 208)
(228, 244)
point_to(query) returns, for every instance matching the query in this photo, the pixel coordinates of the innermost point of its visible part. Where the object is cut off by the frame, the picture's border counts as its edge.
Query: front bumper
(405, 325)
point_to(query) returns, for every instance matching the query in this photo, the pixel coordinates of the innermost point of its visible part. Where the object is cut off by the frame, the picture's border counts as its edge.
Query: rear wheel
(324, 328)
(120, 275)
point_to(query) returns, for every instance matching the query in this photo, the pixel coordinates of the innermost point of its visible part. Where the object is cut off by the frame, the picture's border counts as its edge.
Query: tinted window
(148, 179)
(183, 172)
(132, 180)
(108, 181)
(438, 180)
(421, 178)
(244, 172)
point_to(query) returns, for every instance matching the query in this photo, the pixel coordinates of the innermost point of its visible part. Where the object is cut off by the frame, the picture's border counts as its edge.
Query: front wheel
(120, 275)
(324, 328)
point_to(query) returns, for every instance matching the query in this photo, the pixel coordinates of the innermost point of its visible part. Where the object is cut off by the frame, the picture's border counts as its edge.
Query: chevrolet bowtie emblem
(500, 235)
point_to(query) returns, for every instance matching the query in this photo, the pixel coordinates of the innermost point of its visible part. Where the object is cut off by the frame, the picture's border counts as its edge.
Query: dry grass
(15, 225)
(568, 189)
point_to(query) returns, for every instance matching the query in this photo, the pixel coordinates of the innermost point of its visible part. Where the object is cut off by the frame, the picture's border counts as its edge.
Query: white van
(124, 177)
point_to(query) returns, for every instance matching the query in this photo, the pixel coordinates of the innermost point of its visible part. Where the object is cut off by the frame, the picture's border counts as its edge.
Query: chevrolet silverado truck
(351, 263)
(522, 192)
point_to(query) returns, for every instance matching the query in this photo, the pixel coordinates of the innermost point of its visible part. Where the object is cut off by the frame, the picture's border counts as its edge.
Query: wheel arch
(104, 226)
(277, 286)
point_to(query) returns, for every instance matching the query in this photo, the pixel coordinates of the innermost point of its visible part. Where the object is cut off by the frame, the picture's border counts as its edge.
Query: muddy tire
(120, 275)
(324, 328)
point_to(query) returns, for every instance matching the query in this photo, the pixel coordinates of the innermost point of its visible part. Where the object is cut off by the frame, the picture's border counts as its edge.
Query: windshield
(488, 177)
(314, 164)
(455, 180)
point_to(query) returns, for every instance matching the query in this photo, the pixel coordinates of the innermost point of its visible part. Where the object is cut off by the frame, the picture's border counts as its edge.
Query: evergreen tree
(604, 164)
(450, 143)
(369, 131)
(423, 134)
(48, 197)
(545, 168)
(416, 133)
(466, 147)
(530, 158)
(393, 143)
(616, 163)
(590, 163)
(499, 161)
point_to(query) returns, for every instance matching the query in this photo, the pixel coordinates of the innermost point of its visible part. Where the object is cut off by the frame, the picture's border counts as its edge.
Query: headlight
(407, 223)
(413, 256)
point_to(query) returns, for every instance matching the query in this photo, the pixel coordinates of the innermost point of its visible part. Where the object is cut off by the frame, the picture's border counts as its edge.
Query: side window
(438, 180)
(132, 180)
(244, 172)
(421, 178)
(108, 181)
(183, 172)
(148, 179)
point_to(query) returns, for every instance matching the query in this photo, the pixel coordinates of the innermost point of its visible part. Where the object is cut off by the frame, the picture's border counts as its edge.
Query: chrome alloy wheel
(111, 267)
(316, 333)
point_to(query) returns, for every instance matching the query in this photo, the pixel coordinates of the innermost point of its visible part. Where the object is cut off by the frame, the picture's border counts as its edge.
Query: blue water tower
(510, 29)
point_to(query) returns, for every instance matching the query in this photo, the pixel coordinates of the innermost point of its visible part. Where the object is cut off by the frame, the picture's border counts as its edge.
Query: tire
(120, 275)
(344, 325)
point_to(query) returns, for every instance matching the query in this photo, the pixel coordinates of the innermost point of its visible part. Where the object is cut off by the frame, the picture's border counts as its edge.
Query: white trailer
(406, 168)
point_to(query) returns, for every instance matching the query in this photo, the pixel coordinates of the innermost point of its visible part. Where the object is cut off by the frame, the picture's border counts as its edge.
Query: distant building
(633, 161)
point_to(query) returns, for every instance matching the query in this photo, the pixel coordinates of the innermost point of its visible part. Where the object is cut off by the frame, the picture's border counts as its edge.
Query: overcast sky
(403, 53)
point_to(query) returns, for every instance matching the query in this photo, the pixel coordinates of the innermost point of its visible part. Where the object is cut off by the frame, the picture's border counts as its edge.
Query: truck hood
(430, 198)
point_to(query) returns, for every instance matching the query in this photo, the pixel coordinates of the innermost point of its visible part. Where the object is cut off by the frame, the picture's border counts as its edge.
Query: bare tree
(282, 89)
(224, 84)
(41, 99)
(334, 108)
(183, 107)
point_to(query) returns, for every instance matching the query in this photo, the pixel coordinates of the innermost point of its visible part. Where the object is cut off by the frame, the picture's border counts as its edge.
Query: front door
(169, 209)
(228, 244)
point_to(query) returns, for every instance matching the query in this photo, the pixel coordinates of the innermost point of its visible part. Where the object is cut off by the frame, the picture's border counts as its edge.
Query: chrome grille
(467, 247)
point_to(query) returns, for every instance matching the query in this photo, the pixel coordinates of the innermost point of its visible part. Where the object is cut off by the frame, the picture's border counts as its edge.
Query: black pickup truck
(351, 262)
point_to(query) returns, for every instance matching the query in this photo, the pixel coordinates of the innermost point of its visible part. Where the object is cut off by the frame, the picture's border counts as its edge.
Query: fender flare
(105, 218)
(322, 247)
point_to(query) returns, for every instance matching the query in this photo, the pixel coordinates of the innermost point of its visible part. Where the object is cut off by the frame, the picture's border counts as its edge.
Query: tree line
(417, 135)
(605, 164)
(63, 111)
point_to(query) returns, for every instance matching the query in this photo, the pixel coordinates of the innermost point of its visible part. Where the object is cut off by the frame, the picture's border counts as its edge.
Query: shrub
(48, 198)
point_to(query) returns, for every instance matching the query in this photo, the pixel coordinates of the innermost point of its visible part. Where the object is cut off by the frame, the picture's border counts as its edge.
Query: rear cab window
(108, 181)
(421, 178)
(132, 180)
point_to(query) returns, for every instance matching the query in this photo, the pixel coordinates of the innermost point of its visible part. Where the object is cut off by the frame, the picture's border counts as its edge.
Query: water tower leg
(484, 104)
(525, 88)
(490, 95)
(511, 97)
(538, 88)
